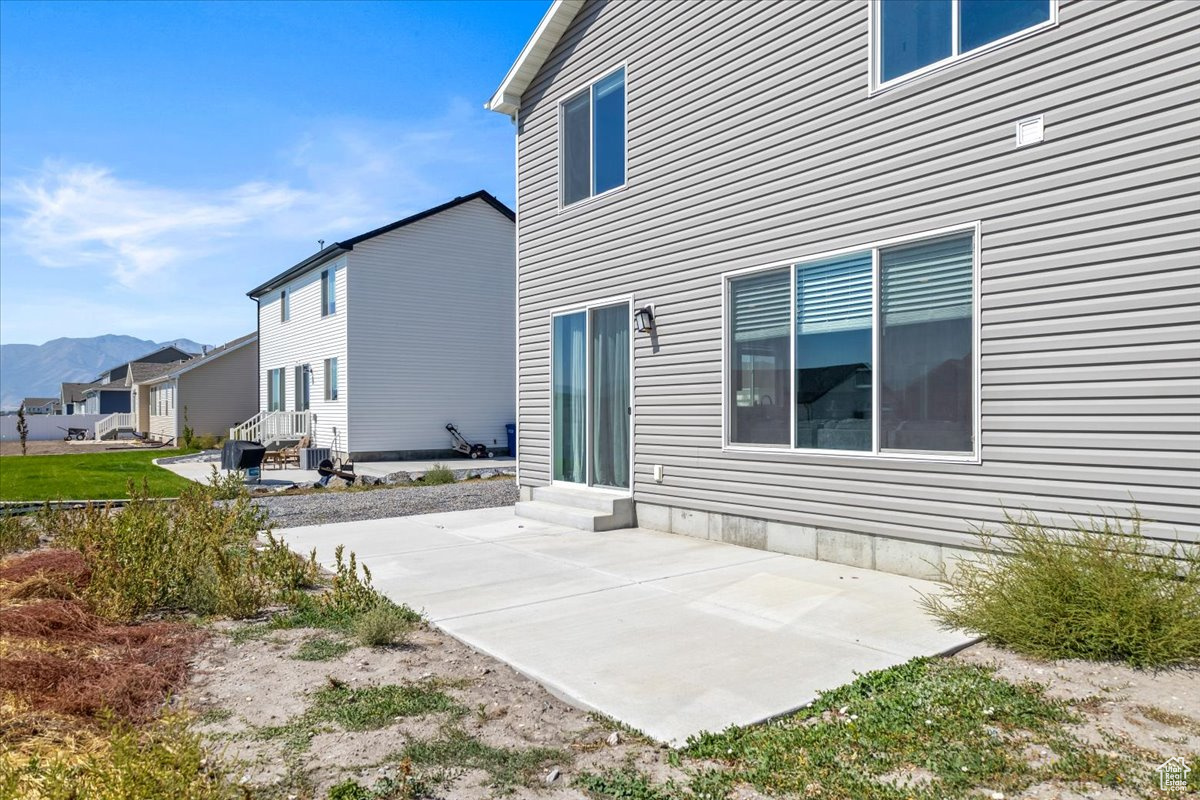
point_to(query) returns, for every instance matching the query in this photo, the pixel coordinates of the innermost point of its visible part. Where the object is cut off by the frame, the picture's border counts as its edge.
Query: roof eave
(507, 99)
(312, 262)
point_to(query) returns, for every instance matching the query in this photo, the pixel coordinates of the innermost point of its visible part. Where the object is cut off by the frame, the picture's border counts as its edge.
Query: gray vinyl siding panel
(222, 393)
(752, 139)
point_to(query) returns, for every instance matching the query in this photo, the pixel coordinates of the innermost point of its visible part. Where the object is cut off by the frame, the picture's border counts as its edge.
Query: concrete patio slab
(667, 633)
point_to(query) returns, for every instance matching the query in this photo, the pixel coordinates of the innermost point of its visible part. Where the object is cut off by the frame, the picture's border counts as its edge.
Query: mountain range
(32, 370)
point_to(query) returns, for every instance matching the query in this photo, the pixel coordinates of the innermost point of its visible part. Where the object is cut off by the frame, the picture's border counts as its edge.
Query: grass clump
(963, 728)
(192, 555)
(384, 625)
(16, 534)
(374, 707)
(455, 751)
(1098, 591)
(363, 709)
(321, 648)
(438, 475)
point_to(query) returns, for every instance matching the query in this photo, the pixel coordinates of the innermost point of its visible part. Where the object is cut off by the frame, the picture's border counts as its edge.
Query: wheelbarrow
(78, 434)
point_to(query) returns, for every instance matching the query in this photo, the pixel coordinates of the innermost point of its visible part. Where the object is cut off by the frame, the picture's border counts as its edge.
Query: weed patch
(623, 784)
(321, 648)
(455, 750)
(159, 761)
(959, 726)
(191, 555)
(16, 534)
(438, 475)
(1099, 592)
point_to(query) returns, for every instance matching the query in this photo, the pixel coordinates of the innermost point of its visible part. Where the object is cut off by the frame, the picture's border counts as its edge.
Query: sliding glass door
(590, 396)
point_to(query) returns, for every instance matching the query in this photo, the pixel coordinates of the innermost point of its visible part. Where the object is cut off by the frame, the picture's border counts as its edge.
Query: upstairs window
(285, 306)
(328, 293)
(593, 139)
(915, 36)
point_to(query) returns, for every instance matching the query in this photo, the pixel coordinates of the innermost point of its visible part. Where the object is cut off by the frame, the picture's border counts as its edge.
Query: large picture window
(913, 36)
(869, 351)
(593, 139)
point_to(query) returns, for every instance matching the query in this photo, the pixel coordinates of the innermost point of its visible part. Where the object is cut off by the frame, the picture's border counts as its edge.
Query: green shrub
(16, 534)
(383, 625)
(192, 555)
(207, 441)
(439, 474)
(1099, 591)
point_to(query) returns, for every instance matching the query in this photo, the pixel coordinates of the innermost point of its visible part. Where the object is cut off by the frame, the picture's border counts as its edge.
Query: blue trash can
(511, 430)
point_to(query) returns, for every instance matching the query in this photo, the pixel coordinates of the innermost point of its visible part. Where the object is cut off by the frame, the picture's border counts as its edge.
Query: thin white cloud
(73, 215)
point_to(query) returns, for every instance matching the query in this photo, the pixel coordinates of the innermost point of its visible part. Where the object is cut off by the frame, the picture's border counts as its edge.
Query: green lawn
(87, 476)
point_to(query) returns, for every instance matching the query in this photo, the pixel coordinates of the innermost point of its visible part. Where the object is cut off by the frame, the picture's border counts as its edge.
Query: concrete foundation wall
(884, 553)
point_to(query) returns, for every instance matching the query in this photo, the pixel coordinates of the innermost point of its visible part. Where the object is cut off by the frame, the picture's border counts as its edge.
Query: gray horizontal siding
(752, 140)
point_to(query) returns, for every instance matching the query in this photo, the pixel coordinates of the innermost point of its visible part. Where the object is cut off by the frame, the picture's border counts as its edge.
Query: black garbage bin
(241, 455)
(511, 429)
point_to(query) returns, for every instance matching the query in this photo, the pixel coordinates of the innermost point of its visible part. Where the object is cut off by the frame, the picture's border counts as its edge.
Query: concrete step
(584, 519)
(580, 498)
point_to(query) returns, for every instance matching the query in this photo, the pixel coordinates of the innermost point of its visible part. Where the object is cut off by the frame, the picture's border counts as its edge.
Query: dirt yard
(505, 734)
(57, 447)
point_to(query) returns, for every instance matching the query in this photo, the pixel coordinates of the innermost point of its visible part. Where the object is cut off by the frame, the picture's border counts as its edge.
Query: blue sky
(160, 159)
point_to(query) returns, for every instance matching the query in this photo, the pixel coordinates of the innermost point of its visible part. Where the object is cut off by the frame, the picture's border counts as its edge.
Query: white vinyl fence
(45, 426)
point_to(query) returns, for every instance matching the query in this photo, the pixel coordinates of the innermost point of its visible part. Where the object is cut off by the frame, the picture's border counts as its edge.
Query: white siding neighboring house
(209, 393)
(419, 334)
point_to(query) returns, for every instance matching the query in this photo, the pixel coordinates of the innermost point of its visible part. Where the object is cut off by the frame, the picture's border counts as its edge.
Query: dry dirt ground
(57, 447)
(242, 690)
(252, 693)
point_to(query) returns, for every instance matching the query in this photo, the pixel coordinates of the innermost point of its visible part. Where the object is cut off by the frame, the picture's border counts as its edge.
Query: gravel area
(342, 505)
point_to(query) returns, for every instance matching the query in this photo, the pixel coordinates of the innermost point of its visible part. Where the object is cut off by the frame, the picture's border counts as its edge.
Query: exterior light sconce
(643, 319)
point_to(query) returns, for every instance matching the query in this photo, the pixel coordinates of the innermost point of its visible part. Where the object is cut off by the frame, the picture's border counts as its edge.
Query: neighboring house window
(593, 139)
(275, 390)
(861, 352)
(331, 379)
(328, 293)
(914, 36)
(303, 378)
(285, 306)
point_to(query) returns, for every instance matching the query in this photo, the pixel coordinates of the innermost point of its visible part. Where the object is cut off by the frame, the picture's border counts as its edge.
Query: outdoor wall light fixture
(643, 319)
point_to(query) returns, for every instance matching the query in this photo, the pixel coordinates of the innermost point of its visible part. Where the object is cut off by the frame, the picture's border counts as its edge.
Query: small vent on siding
(1030, 131)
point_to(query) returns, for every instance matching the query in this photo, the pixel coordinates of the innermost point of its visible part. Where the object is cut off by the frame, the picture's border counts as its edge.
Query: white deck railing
(271, 426)
(113, 422)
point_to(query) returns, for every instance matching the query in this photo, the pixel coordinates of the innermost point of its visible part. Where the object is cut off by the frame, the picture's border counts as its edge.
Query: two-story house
(373, 344)
(844, 279)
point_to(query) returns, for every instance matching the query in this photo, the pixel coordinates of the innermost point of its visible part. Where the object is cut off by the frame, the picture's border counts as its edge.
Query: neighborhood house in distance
(373, 344)
(801, 278)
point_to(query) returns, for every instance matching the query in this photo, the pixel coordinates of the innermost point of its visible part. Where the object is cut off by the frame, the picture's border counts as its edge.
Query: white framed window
(592, 139)
(910, 38)
(328, 292)
(285, 306)
(868, 351)
(331, 379)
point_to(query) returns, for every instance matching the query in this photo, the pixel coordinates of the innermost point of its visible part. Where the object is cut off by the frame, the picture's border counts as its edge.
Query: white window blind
(834, 294)
(928, 281)
(761, 306)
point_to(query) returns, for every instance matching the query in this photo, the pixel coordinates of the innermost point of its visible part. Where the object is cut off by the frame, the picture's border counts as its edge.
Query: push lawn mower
(461, 445)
